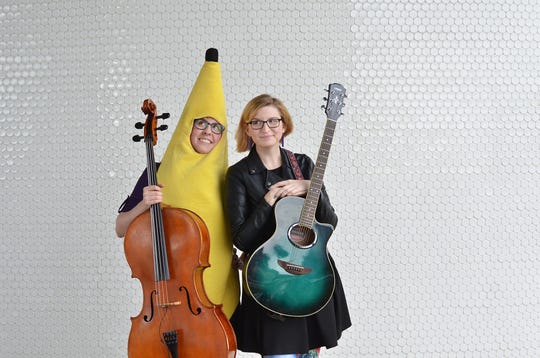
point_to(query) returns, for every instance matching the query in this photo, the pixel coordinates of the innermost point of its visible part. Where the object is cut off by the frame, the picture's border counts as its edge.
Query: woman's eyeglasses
(272, 123)
(201, 124)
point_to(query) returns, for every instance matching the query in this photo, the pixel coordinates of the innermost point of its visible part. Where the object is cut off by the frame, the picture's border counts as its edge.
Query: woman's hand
(238, 262)
(291, 187)
(152, 195)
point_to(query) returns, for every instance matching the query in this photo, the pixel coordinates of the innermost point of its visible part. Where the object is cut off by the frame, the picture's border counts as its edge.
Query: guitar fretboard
(312, 198)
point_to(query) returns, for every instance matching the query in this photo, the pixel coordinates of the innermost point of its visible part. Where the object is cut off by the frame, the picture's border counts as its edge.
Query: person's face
(205, 134)
(266, 136)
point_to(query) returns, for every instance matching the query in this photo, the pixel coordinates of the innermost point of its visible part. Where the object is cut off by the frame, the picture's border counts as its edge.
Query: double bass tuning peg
(140, 125)
(163, 126)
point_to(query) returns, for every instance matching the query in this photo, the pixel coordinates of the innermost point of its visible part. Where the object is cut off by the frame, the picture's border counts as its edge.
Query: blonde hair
(263, 100)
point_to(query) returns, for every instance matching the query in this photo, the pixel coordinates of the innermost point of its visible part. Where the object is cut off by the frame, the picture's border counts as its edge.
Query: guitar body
(289, 275)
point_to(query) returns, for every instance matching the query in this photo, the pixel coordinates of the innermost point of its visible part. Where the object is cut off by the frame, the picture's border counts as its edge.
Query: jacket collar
(255, 165)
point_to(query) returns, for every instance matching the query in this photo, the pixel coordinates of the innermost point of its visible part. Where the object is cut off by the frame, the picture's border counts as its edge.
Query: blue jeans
(312, 353)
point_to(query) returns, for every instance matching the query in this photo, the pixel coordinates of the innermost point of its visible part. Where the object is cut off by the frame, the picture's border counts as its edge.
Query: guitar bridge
(294, 269)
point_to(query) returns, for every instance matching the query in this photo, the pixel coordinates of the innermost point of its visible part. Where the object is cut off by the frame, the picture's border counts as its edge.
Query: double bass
(167, 250)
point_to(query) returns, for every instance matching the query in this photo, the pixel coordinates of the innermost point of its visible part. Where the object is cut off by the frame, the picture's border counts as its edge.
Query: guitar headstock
(335, 101)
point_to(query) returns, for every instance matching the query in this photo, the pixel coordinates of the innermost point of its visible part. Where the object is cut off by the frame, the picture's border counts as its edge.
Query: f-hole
(146, 318)
(301, 236)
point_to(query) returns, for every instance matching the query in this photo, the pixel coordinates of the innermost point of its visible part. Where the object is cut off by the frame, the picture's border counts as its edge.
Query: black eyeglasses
(201, 124)
(272, 123)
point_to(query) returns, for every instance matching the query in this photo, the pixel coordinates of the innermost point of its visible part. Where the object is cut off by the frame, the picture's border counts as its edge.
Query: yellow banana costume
(196, 181)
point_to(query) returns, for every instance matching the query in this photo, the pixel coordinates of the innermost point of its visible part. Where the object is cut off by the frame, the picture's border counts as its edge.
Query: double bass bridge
(170, 304)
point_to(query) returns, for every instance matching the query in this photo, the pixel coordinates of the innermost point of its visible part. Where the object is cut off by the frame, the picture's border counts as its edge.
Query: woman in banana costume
(192, 176)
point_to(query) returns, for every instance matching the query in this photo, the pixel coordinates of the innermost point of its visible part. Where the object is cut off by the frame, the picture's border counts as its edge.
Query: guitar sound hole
(302, 236)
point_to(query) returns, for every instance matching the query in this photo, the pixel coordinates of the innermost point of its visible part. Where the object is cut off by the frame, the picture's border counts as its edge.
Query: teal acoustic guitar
(290, 274)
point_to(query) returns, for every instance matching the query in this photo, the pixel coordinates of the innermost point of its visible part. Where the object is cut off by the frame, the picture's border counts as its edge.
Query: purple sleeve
(136, 195)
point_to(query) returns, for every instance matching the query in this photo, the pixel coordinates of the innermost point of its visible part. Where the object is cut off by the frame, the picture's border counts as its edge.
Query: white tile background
(434, 169)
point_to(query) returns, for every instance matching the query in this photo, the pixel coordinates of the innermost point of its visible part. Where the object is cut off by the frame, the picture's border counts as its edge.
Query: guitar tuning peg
(162, 127)
(164, 116)
(139, 125)
(137, 138)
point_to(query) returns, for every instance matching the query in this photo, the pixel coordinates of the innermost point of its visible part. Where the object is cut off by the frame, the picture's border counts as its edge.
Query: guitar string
(310, 207)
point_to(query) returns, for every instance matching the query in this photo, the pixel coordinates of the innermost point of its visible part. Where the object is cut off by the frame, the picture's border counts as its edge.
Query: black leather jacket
(250, 216)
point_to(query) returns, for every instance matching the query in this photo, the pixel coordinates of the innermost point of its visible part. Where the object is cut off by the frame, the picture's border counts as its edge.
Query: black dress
(252, 223)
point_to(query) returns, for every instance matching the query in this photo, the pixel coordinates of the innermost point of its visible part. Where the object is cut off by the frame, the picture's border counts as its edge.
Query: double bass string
(160, 260)
(161, 267)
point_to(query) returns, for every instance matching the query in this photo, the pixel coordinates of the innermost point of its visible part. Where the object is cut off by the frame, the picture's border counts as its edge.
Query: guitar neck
(307, 216)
